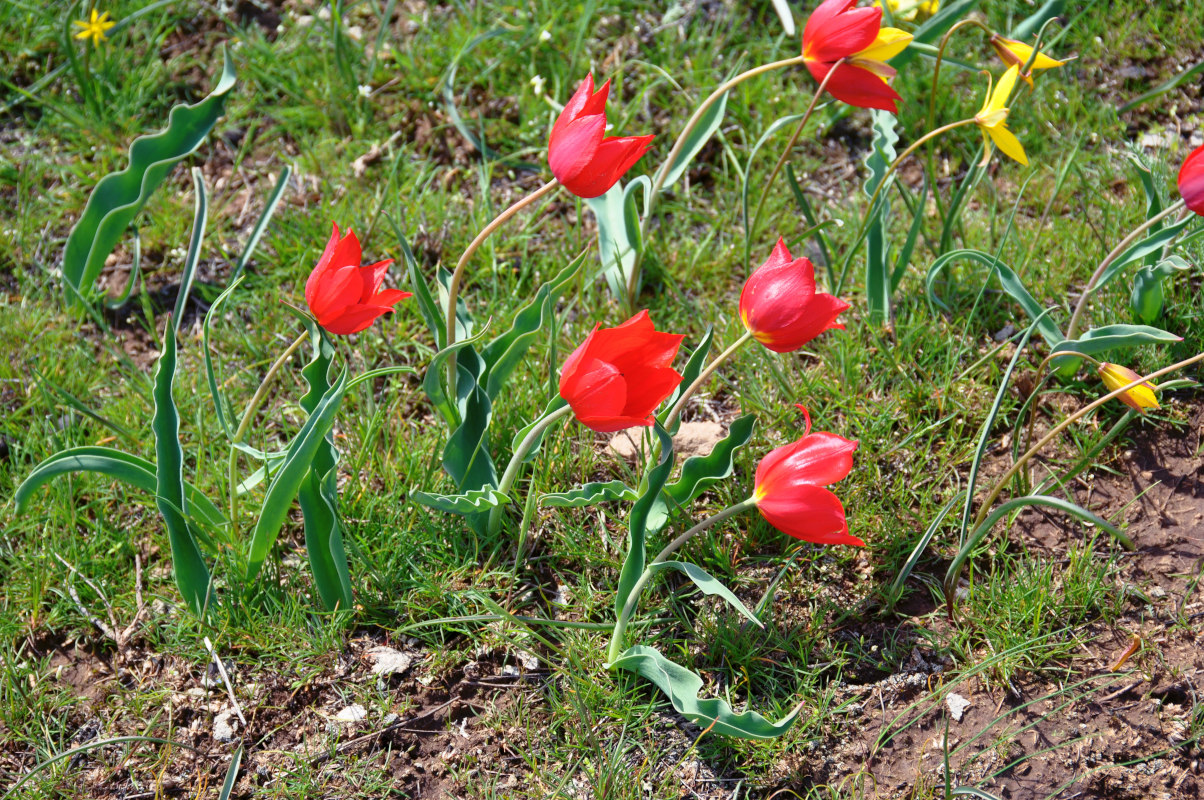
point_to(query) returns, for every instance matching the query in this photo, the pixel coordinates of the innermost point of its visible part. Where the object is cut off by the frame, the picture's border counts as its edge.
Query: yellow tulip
(1139, 398)
(992, 119)
(1017, 54)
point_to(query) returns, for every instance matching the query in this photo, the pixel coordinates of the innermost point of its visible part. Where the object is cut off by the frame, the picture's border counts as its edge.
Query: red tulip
(780, 306)
(836, 30)
(344, 296)
(789, 487)
(582, 157)
(618, 376)
(1191, 180)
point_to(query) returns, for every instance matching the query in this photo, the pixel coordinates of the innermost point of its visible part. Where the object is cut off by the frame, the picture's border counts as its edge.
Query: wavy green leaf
(682, 686)
(877, 262)
(700, 472)
(119, 196)
(1147, 298)
(709, 584)
(589, 494)
(130, 469)
(192, 576)
(555, 404)
(286, 483)
(473, 501)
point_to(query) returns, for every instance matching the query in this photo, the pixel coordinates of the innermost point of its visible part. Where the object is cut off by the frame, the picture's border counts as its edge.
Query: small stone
(957, 706)
(352, 713)
(224, 725)
(387, 661)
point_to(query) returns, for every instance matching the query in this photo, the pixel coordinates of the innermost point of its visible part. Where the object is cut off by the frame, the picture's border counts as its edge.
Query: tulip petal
(598, 390)
(337, 288)
(355, 319)
(886, 45)
(372, 275)
(572, 109)
(636, 344)
(817, 459)
(613, 157)
(653, 386)
(1191, 180)
(810, 513)
(571, 148)
(311, 283)
(860, 87)
(1008, 143)
(843, 34)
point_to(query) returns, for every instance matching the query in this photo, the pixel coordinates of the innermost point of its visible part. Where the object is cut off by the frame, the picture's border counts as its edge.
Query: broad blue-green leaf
(1008, 279)
(648, 515)
(119, 196)
(473, 501)
(318, 494)
(700, 472)
(137, 472)
(619, 242)
(192, 576)
(1150, 245)
(708, 123)
(555, 404)
(682, 686)
(1147, 297)
(1102, 340)
(1033, 22)
(505, 353)
(288, 479)
(589, 494)
(432, 382)
(877, 266)
(466, 457)
(709, 584)
(690, 374)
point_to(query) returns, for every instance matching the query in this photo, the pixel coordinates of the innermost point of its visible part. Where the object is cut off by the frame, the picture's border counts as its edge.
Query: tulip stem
(798, 131)
(993, 495)
(633, 597)
(520, 457)
(256, 401)
(453, 286)
(1090, 289)
(662, 174)
(702, 378)
(894, 165)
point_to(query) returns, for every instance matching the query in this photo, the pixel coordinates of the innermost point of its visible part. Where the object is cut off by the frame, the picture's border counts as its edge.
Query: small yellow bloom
(992, 119)
(1014, 53)
(909, 10)
(1139, 398)
(96, 28)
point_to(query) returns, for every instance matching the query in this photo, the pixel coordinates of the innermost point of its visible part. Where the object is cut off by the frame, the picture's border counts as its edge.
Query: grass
(914, 397)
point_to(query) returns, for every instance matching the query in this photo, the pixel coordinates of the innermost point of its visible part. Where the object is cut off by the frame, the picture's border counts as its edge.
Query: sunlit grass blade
(261, 225)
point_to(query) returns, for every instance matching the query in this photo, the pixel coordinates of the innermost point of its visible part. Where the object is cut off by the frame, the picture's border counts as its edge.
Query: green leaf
(427, 307)
(934, 27)
(505, 353)
(909, 244)
(1033, 22)
(82, 407)
(877, 266)
(589, 494)
(137, 472)
(746, 184)
(700, 472)
(1147, 298)
(192, 576)
(555, 404)
(682, 686)
(473, 501)
(648, 515)
(219, 401)
(119, 196)
(707, 124)
(1008, 279)
(200, 216)
(1164, 87)
(1102, 340)
(432, 382)
(690, 374)
(286, 483)
(1139, 250)
(709, 585)
(619, 242)
(318, 494)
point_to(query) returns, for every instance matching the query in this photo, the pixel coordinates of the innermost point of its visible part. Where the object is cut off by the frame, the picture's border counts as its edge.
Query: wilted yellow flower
(908, 10)
(1017, 54)
(95, 29)
(1139, 398)
(992, 119)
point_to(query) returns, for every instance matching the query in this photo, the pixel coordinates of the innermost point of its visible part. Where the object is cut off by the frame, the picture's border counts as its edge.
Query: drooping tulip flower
(780, 306)
(344, 295)
(836, 30)
(790, 483)
(992, 119)
(582, 157)
(911, 10)
(1191, 180)
(1016, 53)
(617, 377)
(1139, 398)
